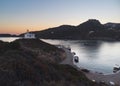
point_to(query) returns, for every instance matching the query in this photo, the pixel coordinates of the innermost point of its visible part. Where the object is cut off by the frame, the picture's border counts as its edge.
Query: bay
(100, 56)
(97, 56)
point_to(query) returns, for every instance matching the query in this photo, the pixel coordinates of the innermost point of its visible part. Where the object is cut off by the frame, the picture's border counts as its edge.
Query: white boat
(76, 59)
(116, 68)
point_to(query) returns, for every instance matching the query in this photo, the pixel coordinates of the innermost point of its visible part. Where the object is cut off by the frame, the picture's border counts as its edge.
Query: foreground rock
(35, 63)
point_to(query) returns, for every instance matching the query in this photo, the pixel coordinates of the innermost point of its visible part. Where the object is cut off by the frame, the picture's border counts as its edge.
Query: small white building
(29, 35)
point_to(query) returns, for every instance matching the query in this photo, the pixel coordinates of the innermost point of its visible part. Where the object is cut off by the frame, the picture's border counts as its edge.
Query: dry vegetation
(35, 63)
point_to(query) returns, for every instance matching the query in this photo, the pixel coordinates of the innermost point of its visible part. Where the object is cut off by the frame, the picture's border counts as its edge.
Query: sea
(95, 55)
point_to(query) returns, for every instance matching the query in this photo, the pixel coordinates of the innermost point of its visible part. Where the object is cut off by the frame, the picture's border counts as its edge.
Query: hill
(111, 25)
(31, 62)
(91, 29)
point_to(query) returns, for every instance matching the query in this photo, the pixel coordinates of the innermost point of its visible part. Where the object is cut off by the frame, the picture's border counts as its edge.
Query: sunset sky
(16, 16)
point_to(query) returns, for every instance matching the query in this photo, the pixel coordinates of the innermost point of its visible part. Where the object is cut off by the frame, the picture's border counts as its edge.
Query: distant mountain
(112, 25)
(91, 29)
(7, 35)
(64, 31)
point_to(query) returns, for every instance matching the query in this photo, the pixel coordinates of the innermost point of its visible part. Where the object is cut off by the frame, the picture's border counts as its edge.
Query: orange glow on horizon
(19, 30)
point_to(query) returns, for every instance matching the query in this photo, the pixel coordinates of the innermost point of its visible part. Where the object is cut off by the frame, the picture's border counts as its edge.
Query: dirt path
(69, 59)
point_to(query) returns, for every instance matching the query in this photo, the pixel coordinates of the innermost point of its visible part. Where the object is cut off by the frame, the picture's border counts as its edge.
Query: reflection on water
(8, 39)
(94, 55)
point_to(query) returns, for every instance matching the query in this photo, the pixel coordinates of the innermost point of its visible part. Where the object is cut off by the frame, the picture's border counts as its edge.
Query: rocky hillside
(35, 63)
(43, 50)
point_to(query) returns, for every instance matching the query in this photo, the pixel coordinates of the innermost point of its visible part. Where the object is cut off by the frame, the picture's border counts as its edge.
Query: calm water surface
(8, 39)
(98, 56)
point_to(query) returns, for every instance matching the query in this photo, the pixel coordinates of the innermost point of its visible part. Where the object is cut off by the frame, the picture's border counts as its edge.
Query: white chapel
(29, 35)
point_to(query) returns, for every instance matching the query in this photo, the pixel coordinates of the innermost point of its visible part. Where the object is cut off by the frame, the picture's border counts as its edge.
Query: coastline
(94, 76)
(104, 78)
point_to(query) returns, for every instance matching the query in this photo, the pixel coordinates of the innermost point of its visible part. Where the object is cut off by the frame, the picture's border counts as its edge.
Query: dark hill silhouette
(111, 25)
(8, 35)
(56, 32)
(91, 29)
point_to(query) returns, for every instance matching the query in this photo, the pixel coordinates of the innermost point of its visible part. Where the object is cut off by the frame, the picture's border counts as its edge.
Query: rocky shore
(93, 76)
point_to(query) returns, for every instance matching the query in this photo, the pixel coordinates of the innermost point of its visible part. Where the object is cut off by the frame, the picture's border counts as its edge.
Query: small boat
(76, 59)
(68, 47)
(73, 53)
(116, 68)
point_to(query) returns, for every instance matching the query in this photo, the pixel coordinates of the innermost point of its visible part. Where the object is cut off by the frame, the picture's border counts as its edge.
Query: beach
(94, 76)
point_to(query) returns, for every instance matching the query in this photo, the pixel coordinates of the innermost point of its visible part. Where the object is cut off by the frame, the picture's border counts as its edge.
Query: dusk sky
(16, 16)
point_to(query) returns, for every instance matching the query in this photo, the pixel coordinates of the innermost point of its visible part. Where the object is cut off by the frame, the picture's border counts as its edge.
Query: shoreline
(104, 78)
(94, 76)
